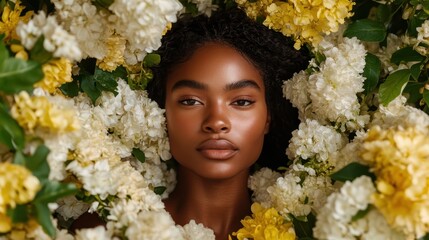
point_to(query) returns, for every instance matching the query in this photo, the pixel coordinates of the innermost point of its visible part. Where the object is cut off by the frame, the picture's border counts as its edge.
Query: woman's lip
(219, 149)
(218, 154)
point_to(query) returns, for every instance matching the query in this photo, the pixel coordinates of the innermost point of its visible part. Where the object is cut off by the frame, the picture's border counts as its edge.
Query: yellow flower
(265, 224)
(17, 186)
(5, 223)
(10, 19)
(37, 111)
(400, 160)
(19, 51)
(307, 20)
(56, 72)
(255, 9)
(115, 54)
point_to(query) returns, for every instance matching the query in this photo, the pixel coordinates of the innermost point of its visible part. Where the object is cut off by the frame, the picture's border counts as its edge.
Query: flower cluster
(339, 218)
(399, 159)
(33, 112)
(306, 21)
(101, 145)
(265, 223)
(17, 186)
(333, 87)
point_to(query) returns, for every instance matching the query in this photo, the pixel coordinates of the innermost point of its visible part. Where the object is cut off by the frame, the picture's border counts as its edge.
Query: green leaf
(4, 54)
(89, 87)
(414, 23)
(17, 75)
(11, 134)
(159, 190)
(19, 214)
(120, 72)
(70, 89)
(352, 171)
(383, 13)
(361, 213)
(406, 54)
(371, 72)
(103, 3)
(52, 191)
(151, 59)
(105, 81)
(416, 70)
(366, 30)
(139, 154)
(412, 92)
(304, 229)
(38, 165)
(394, 85)
(19, 158)
(426, 96)
(43, 216)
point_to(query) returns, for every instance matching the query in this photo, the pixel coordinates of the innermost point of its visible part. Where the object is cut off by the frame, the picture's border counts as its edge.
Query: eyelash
(246, 102)
(187, 101)
(238, 102)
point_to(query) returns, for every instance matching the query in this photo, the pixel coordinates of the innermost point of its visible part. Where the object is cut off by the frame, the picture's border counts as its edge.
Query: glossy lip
(217, 149)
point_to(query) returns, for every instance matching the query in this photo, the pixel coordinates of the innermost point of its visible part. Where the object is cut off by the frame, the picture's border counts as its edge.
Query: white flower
(313, 140)
(142, 24)
(204, 7)
(333, 88)
(289, 195)
(97, 233)
(423, 31)
(70, 207)
(296, 90)
(96, 178)
(194, 231)
(334, 220)
(396, 113)
(89, 26)
(56, 39)
(153, 225)
(259, 183)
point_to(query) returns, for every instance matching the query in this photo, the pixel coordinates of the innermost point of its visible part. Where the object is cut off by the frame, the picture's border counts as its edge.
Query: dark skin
(216, 119)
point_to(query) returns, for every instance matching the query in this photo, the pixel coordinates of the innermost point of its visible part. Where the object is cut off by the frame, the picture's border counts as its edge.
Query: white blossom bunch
(315, 141)
(333, 88)
(336, 219)
(142, 23)
(292, 195)
(56, 39)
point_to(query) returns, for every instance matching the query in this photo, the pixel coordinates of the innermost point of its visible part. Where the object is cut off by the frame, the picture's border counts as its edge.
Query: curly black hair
(269, 51)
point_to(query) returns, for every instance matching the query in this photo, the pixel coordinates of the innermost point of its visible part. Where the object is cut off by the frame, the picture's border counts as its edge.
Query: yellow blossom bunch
(115, 54)
(10, 18)
(17, 186)
(265, 224)
(255, 9)
(36, 111)
(307, 20)
(56, 72)
(400, 160)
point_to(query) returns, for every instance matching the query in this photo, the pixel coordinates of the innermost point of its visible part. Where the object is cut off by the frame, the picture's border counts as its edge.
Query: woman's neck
(217, 204)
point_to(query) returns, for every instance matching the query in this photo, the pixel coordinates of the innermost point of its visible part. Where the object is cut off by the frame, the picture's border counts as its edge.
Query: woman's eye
(189, 102)
(243, 102)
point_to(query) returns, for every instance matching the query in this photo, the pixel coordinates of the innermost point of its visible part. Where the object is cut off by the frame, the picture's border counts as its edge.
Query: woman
(220, 82)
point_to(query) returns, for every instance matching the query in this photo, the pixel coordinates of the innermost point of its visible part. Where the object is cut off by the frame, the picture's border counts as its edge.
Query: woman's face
(216, 112)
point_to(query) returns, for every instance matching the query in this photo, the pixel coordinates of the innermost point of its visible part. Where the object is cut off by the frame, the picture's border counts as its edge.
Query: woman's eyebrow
(242, 84)
(190, 84)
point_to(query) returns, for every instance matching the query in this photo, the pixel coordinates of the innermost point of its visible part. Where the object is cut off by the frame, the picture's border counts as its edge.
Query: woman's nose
(216, 120)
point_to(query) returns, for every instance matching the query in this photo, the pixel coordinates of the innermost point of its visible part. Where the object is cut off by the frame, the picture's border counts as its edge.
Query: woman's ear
(267, 124)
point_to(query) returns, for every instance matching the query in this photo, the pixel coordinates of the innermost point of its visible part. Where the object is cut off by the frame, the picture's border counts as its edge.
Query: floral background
(79, 134)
